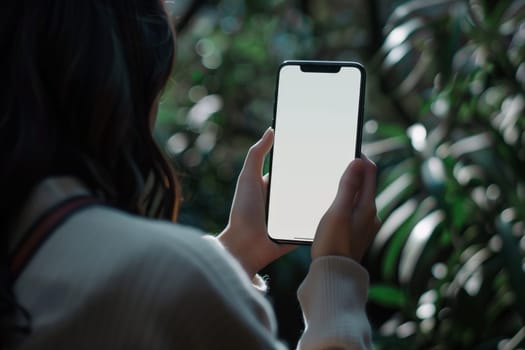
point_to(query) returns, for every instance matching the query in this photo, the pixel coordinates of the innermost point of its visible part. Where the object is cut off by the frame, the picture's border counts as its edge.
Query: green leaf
(393, 251)
(395, 192)
(391, 225)
(434, 176)
(384, 146)
(387, 295)
(416, 242)
(387, 130)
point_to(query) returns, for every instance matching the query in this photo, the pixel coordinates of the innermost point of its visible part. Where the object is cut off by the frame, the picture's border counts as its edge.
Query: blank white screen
(316, 123)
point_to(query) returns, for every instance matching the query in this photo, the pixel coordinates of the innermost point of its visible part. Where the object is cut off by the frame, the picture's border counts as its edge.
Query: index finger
(368, 189)
(253, 163)
(350, 185)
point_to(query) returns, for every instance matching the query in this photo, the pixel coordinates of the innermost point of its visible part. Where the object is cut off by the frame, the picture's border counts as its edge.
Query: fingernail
(267, 131)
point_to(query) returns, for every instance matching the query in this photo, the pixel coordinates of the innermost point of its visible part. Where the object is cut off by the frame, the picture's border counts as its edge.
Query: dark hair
(79, 81)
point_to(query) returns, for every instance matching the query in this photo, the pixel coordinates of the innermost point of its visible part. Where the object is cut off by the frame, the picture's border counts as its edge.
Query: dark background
(443, 121)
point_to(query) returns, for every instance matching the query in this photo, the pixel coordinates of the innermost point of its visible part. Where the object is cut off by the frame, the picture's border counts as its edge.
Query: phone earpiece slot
(320, 68)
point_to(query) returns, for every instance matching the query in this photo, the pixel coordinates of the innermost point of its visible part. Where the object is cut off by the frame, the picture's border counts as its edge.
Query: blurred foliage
(452, 182)
(444, 123)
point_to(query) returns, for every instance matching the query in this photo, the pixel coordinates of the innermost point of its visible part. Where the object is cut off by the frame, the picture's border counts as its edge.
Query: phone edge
(360, 117)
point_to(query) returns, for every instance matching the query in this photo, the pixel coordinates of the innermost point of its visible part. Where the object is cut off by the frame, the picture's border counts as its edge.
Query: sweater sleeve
(333, 297)
(237, 316)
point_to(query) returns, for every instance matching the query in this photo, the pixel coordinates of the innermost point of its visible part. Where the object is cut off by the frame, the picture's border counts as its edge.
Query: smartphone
(318, 115)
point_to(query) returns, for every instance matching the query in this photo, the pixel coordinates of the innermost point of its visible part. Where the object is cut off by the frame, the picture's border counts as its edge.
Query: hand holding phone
(317, 124)
(350, 223)
(246, 227)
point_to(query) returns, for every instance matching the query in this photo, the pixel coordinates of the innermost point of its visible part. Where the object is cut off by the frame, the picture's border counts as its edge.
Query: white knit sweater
(105, 279)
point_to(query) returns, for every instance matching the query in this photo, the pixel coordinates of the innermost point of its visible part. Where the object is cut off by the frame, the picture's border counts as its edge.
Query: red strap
(42, 229)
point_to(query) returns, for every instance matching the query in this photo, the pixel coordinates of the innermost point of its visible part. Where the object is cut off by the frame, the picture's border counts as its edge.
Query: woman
(84, 264)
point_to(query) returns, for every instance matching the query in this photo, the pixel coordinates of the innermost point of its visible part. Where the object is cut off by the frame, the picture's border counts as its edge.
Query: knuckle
(370, 212)
(349, 183)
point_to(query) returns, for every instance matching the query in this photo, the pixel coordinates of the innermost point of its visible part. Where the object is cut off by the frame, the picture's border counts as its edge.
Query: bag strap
(42, 229)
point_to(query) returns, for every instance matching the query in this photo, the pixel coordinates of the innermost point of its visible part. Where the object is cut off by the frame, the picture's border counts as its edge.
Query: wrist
(229, 240)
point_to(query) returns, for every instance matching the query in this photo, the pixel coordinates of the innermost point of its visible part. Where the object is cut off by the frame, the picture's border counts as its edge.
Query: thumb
(350, 185)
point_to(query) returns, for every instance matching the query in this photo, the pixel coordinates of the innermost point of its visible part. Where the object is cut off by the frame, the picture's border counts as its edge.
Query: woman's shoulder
(126, 239)
(105, 265)
(134, 230)
(97, 245)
